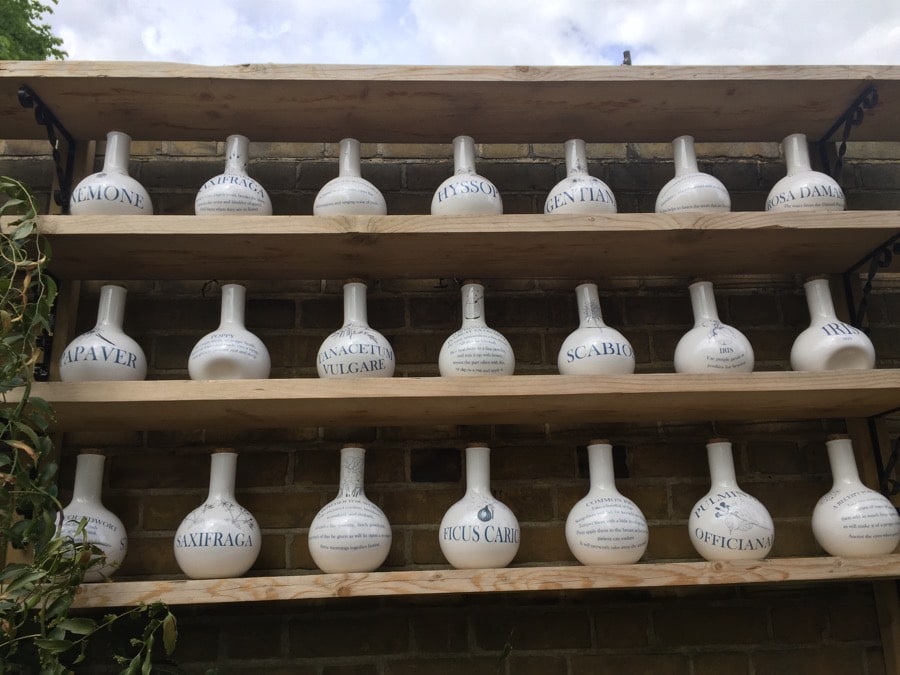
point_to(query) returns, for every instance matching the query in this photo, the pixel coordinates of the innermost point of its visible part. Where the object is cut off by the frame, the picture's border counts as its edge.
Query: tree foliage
(24, 36)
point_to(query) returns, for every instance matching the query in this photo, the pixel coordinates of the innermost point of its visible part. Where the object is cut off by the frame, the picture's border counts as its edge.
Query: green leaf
(24, 580)
(79, 626)
(147, 666)
(53, 646)
(170, 633)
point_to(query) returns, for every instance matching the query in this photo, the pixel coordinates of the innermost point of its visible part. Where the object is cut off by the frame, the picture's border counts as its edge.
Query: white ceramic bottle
(691, 189)
(579, 192)
(828, 343)
(220, 538)
(356, 349)
(727, 523)
(479, 531)
(594, 348)
(111, 192)
(103, 528)
(605, 527)
(851, 520)
(711, 346)
(466, 193)
(350, 533)
(349, 194)
(475, 349)
(233, 192)
(105, 352)
(230, 352)
(803, 188)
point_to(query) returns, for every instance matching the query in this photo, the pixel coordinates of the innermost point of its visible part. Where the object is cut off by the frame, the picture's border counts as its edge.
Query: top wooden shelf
(424, 104)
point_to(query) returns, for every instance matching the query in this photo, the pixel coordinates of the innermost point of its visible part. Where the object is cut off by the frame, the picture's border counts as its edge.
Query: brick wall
(154, 478)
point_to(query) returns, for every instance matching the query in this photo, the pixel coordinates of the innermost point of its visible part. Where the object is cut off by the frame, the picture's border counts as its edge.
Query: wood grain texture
(423, 104)
(522, 399)
(517, 246)
(509, 580)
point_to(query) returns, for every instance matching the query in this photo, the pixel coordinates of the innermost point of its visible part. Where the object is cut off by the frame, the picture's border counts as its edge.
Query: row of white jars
(357, 350)
(222, 539)
(466, 193)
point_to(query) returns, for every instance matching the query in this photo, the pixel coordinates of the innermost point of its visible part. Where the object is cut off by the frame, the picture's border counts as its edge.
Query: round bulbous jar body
(851, 520)
(828, 343)
(727, 523)
(103, 528)
(356, 349)
(350, 533)
(233, 192)
(594, 348)
(691, 189)
(231, 352)
(579, 193)
(711, 346)
(803, 188)
(466, 193)
(111, 192)
(475, 349)
(349, 194)
(605, 527)
(220, 538)
(479, 531)
(104, 353)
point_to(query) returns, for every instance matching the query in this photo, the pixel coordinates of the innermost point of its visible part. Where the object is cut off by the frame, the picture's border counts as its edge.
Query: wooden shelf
(309, 247)
(508, 580)
(522, 399)
(315, 103)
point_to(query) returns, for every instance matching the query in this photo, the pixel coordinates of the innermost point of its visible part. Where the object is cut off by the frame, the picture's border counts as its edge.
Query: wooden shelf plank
(508, 580)
(522, 399)
(423, 104)
(309, 247)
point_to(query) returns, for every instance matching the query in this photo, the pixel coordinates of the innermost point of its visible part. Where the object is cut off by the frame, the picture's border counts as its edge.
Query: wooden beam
(521, 399)
(514, 579)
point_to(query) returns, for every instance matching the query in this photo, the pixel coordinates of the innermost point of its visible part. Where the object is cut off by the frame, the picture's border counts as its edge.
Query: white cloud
(488, 32)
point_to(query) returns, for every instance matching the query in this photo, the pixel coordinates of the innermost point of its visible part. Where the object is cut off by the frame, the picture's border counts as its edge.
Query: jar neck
(88, 478)
(349, 158)
(478, 470)
(685, 156)
(111, 311)
(237, 154)
(355, 304)
(796, 154)
(352, 472)
(463, 154)
(223, 466)
(589, 313)
(600, 465)
(721, 464)
(118, 146)
(703, 302)
(818, 299)
(233, 302)
(473, 305)
(576, 157)
(842, 461)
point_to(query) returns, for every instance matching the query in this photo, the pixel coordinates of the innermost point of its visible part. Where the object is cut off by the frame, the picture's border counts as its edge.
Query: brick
(701, 623)
(616, 664)
(622, 627)
(427, 177)
(436, 465)
(415, 150)
(408, 507)
(149, 555)
(537, 664)
(719, 663)
(472, 665)
(801, 623)
(424, 547)
(515, 177)
(794, 538)
(282, 510)
(439, 630)
(537, 628)
(670, 542)
(342, 634)
(667, 460)
(299, 558)
(435, 311)
(535, 463)
(853, 619)
(262, 642)
(819, 660)
(165, 512)
(882, 176)
(271, 554)
(542, 544)
(183, 149)
(789, 497)
(774, 457)
(752, 310)
(197, 640)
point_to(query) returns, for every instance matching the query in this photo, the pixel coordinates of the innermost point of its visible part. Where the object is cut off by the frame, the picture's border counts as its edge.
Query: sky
(482, 32)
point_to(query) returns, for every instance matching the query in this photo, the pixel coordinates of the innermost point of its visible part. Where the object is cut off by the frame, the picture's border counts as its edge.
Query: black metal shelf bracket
(45, 118)
(852, 117)
(877, 260)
